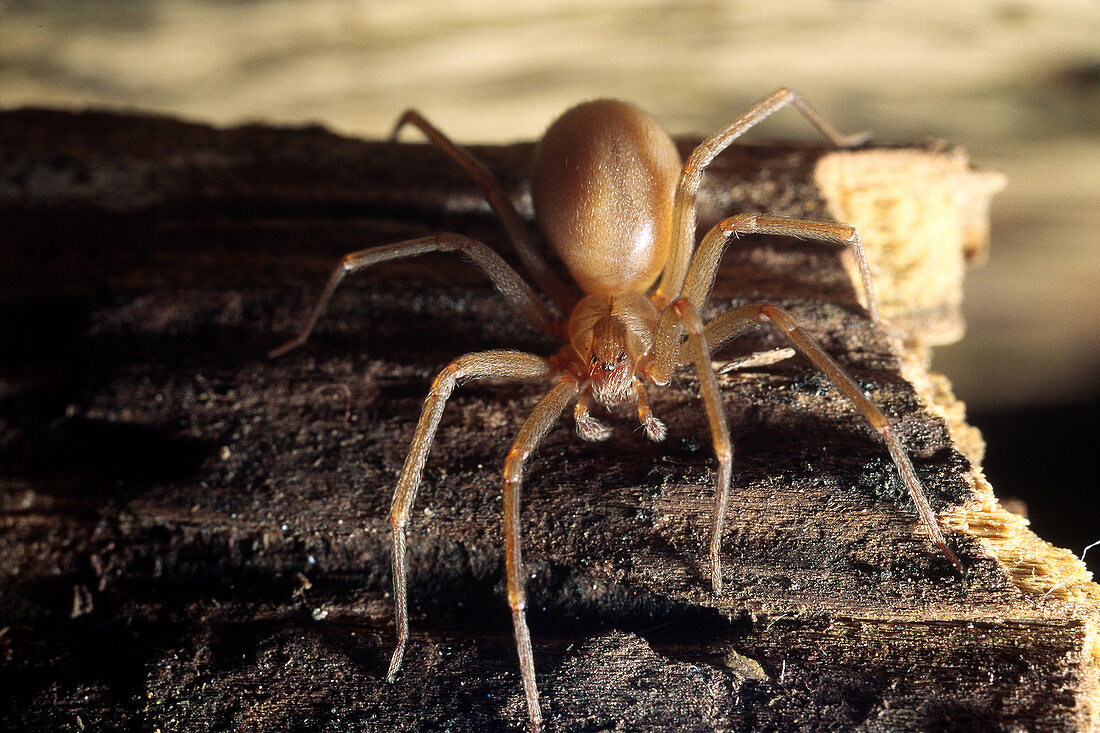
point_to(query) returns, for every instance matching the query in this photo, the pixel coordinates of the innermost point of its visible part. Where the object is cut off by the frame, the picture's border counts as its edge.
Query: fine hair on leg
(538, 423)
(514, 289)
(516, 228)
(733, 323)
(479, 365)
(683, 215)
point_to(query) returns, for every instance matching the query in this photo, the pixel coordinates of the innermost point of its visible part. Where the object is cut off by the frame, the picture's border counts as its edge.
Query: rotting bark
(195, 537)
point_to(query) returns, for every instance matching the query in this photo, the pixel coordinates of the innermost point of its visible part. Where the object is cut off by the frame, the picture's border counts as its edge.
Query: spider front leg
(479, 365)
(683, 314)
(538, 423)
(735, 322)
(506, 280)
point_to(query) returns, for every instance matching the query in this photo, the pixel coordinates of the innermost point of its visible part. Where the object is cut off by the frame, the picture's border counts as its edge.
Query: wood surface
(195, 538)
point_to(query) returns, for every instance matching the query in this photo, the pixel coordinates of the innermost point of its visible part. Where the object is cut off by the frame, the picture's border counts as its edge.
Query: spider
(618, 209)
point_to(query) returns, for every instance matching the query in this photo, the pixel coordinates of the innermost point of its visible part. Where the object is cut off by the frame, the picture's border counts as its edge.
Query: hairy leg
(733, 323)
(506, 280)
(716, 418)
(541, 419)
(479, 365)
(517, 230)
(704, 265)
(668, 351)
(683, 234)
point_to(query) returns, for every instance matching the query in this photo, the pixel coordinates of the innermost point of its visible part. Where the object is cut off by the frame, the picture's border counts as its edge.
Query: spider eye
(622, 356)
(595, 359)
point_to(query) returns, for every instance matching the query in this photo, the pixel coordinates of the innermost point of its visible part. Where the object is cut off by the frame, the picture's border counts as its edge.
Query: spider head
(610, 333)
(610, 364)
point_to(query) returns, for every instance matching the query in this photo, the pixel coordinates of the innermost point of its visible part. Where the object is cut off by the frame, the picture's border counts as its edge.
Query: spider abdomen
(603, 180)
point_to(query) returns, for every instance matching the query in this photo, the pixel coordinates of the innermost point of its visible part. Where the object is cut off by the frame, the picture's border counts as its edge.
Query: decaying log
(195, 537)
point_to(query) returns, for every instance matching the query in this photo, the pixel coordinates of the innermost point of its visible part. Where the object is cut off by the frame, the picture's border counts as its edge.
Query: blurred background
(1016, 82)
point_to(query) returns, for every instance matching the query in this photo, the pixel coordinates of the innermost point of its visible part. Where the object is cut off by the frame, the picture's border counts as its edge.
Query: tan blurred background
(1017, 82)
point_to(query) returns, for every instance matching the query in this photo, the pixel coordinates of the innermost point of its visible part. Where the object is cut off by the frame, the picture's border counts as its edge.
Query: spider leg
(704, 266)
(683, 234)
(668, 351)
(538, 423)
(517, 230)
(479, 365)
(506, 280)
(716, 417)
(733, 323)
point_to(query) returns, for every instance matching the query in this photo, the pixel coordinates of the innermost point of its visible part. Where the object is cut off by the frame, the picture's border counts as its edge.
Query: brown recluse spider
(614, 203)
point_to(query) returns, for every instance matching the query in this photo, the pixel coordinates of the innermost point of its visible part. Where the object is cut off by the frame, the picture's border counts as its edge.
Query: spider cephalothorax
(619, 211)
(610, 335)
